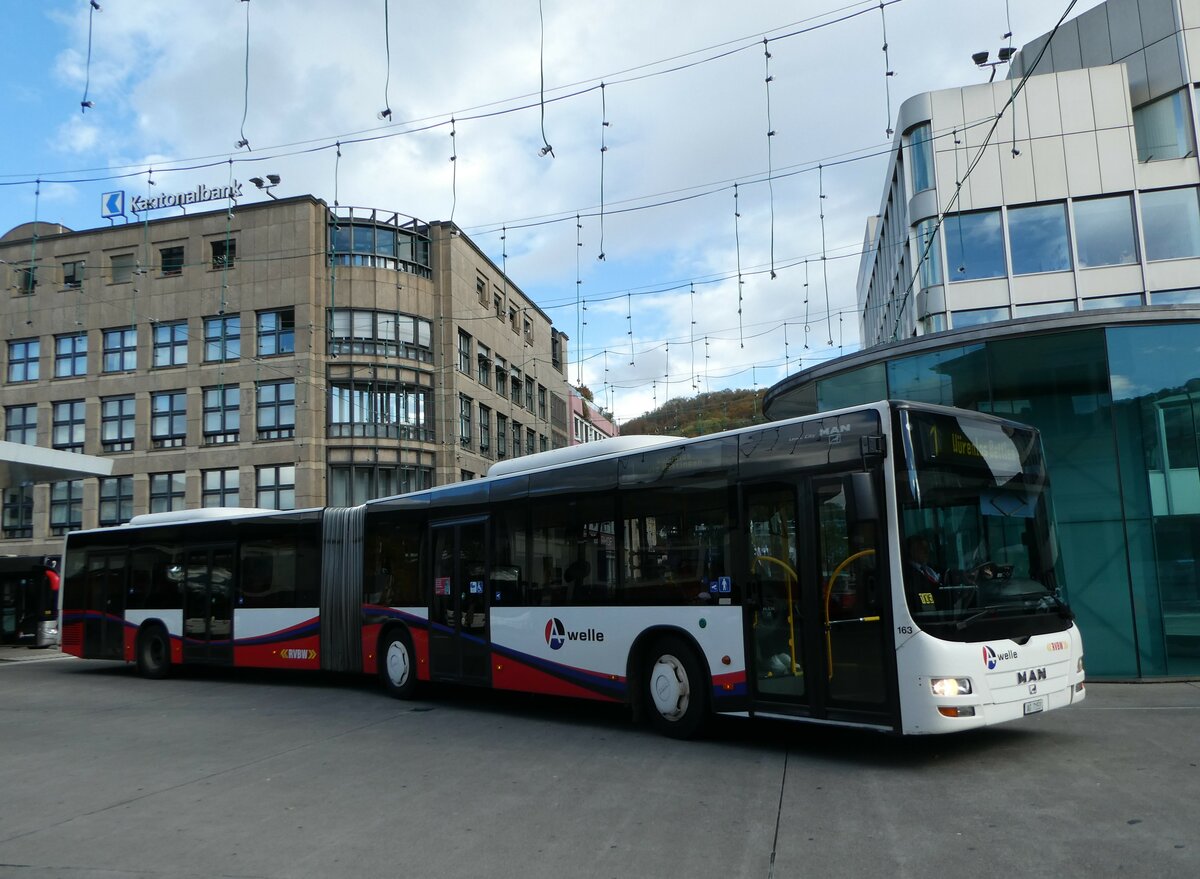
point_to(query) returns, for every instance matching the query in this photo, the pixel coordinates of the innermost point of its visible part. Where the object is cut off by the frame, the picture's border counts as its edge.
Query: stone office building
(284, 354)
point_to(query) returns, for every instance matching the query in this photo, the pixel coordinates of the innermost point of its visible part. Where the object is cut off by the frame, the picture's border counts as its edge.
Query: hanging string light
(546, 149)
(85, 104)
(737, 246)
(603, 150)
(824, 254)
(692, 331)
(629, 320)
(386, 113)
(770, 162)
(244, 141)
(888, 73)
(578, 300)
(453, 169)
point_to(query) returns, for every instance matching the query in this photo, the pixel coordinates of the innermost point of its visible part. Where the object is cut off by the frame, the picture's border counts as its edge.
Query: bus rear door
(104, 623)
(459, 643)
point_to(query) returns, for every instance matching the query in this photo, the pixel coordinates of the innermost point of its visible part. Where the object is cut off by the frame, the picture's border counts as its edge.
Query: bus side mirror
(862, 501)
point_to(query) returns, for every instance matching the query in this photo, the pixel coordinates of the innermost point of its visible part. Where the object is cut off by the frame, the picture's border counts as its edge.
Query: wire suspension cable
(737, 246)
(603, 150)
(386, 113)
(453, 169)
(824, 253)
(888, 73)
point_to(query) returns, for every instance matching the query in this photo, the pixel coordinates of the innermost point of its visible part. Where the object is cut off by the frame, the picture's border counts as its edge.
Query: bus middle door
(208, 605)
(459, 643)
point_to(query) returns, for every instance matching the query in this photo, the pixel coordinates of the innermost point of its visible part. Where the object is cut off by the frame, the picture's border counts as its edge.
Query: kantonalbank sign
(112, 204)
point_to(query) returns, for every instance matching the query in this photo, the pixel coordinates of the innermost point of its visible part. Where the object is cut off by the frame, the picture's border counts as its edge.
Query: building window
(67, 428)
(66, 506)
(26, 279)
(516, 439)
(376, 242)
(1037, 237)
(464, 421)
(483, 372)
(974, 246)
(1171, 223)
(116, 500)
(23, 357)
(512, 318)
(20, 424)
(168, 419)
(120, 349)
(528, 328)
(1124, 300)
(931, 259)
(353, 484)
(276, 332)
(529, 394)
(376, 408)
(498, 305)
(502, 377)
(1104, 234)
(515, 385)
(73, 274)
(1035, 309)
(118, 423)
(224, 253)
(122, 268)
(464, 353)
(170, 344)
(501, 436)
(222, 415)
(276, 410)
(541, 398)
(222, 338)
(1163, 128)
(168, 492)
(276, 487)
(543, 443)
(70, 355)
(219, 488)
(485, 429)
(976, 316)
(481, 289)
(920, 156)
(172, 260)
(18, 511)
(530, 441)
(387, 333)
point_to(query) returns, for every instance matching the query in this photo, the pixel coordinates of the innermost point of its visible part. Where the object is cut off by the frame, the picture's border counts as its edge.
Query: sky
(682, 86)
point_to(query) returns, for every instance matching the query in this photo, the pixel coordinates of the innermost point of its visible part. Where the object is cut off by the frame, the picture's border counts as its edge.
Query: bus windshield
(976, 529)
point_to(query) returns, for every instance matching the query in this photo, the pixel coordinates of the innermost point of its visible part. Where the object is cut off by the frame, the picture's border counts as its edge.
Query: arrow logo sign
(112, 204)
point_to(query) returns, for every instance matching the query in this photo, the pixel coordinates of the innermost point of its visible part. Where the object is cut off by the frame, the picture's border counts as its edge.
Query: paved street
(269, 775)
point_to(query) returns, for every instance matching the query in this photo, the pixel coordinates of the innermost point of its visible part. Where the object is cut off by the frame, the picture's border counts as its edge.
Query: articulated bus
(890, 567)
(29, 600)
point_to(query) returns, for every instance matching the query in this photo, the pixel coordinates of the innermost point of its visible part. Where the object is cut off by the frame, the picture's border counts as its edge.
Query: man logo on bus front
(556, 633)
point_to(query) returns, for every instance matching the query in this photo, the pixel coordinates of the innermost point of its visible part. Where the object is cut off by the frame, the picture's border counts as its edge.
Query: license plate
(1034, 706)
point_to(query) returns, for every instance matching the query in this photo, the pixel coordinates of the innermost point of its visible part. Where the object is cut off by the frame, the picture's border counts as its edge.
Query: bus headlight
(1079, 665)
(950, 686)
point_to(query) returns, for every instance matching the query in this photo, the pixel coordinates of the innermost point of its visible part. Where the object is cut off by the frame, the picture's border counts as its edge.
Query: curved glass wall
(1119, 412)
(378, 239)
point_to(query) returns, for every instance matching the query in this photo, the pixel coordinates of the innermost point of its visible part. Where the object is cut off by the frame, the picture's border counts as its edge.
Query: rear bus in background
(890, 567)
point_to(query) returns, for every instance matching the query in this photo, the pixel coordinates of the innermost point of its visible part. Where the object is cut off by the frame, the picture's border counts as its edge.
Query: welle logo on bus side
(557, 634)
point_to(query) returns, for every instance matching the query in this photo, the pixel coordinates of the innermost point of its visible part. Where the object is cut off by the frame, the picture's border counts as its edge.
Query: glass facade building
(1116, 396)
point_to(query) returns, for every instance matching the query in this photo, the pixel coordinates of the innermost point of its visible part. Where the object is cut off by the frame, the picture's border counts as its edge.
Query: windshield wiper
(990, 609)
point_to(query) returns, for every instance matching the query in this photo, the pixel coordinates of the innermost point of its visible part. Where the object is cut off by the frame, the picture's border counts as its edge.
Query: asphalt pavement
(265, 774)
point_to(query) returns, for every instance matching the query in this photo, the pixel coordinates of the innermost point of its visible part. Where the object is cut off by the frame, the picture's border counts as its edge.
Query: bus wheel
(397, 666)
(153, 653)
(675, 693)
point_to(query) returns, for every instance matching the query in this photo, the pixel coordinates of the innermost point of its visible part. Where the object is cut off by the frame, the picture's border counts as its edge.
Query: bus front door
(208, 605)
(459, 644)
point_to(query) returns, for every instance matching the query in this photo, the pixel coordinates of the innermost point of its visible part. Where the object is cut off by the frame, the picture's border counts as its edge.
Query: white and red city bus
(890, 566)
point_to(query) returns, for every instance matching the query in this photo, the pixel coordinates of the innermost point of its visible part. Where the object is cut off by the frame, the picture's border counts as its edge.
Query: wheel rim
(396, 663)
(669, 688)
(155, 651)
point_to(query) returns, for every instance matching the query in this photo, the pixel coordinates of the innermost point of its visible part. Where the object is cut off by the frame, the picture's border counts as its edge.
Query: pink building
(588, 421)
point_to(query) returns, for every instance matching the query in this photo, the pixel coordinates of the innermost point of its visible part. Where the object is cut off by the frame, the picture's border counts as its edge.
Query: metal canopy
(21, 464)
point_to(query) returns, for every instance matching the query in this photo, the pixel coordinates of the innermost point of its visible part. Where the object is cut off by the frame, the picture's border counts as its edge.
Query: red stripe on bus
(510, 674)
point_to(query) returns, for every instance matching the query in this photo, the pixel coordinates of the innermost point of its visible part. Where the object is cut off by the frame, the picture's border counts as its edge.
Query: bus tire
(676, 693)
(153, 653)
(397, 665)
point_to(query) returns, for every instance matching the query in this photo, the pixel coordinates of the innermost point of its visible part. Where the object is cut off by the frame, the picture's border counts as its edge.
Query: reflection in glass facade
(1037, 236)
(1119, 411)
(1171, 223)
(974, 246)
(1104, 233)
